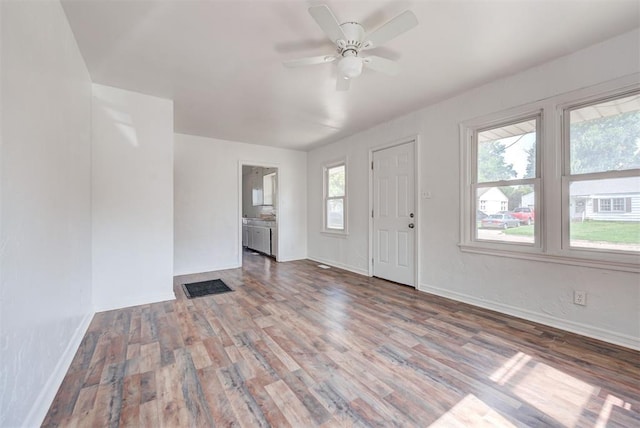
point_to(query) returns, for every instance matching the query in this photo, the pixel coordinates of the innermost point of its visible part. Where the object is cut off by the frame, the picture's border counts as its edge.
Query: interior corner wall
(208, 196)
(532, 290)
(132, 198)
(45, 210)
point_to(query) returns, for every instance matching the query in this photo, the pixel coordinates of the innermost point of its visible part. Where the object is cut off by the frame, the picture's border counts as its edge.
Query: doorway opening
(259, 209)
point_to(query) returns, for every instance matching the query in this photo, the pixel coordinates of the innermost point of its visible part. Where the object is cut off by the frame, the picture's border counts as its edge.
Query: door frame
(263, 164)
(416, 195)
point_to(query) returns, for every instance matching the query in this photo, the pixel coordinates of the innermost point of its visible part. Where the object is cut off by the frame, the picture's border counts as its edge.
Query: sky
(516, 152)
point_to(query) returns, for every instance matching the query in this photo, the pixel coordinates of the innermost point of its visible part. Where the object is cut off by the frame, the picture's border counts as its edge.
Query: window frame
(470, 133)
(326, 198)
(564, 111)
(552, 193)
(268, 181)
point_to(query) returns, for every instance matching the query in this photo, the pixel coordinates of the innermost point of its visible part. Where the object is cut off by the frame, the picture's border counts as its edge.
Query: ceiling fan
(350, 38)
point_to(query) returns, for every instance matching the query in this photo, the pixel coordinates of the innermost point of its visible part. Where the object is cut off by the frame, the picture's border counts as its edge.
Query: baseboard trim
(208, 269)
(146, 300)
(573, 327)
(339, 265)
(42, 403)
(289, 259)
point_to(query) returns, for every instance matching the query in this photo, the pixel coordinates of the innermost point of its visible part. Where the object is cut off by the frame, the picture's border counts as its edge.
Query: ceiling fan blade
(393, 28)
(342, 83)
(329, 24)
(309, 60)
(383, 65)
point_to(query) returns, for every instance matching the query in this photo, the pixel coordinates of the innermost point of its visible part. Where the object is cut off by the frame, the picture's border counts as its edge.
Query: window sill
(573, 260)
(335, 234)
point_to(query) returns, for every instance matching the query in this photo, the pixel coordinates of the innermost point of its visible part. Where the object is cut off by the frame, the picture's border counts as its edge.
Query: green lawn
(595, 231)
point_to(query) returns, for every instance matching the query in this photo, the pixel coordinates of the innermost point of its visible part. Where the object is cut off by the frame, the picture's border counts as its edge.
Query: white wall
(45, 228)
(533, 290)
(132, 198)
(208, 196)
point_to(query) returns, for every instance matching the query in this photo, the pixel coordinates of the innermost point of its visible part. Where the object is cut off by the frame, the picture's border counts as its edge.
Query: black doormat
(205, 288)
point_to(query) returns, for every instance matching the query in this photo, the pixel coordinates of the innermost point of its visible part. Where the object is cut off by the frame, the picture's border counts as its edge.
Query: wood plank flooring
(296, 345)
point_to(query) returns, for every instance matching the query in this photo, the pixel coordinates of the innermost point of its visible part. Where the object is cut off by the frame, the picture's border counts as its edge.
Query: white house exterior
(492, 200)
(528, 200)
(616, 199)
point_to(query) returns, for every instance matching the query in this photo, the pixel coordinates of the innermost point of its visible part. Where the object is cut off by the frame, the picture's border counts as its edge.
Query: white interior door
(394, 214)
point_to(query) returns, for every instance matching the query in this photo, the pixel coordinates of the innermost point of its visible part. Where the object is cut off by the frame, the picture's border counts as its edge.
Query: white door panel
(383, 246)
(393, 214)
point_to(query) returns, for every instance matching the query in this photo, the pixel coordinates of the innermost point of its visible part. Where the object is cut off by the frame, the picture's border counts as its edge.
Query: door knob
(411, 226)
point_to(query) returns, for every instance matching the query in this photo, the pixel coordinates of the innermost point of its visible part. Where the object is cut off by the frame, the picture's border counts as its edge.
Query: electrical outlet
(580, 298)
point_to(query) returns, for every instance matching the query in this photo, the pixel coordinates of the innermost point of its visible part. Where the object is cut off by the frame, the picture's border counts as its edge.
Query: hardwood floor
(296, 345)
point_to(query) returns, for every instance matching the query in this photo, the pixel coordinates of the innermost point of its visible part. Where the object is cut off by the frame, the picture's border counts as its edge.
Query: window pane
(268, 184)
(335, 181)
(335, 214)
(617, 205)
(256, 197)
(507, 152)
(506, 214)
(605, 136)
(605, 214)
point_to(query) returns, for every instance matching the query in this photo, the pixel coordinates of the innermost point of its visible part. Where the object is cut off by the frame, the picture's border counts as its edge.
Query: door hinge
(371, 165)
(371, 213)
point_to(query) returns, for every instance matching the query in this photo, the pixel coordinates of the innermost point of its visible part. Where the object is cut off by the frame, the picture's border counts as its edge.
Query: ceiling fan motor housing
(354, 34)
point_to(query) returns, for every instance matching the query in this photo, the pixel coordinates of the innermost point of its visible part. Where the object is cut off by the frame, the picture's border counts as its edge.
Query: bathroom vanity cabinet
(259, 235)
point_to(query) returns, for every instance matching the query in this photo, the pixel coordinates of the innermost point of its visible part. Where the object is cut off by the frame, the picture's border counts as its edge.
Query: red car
(526, 215)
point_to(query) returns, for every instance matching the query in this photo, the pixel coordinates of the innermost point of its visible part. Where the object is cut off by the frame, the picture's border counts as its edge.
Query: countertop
(259, 222)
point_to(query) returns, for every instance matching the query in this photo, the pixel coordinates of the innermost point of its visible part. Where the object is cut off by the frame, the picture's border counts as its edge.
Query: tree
(491, 163)
(530, 172)
(515, 193)
(606, 144)
(337, 181)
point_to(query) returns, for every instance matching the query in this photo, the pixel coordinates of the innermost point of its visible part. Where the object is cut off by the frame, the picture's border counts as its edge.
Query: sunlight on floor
(555, 393)
(471, 411)
(511, 367)
(605, 413)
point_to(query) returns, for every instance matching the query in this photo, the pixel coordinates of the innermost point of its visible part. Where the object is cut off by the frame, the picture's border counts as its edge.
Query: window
(335, 197)
(567, 168)
(602, 169)
(505, 169)
(618, 204)
(611, 205)
(603, 205)
(269, 186)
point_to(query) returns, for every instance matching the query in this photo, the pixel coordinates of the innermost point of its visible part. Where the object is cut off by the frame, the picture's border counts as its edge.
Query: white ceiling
(221, 61)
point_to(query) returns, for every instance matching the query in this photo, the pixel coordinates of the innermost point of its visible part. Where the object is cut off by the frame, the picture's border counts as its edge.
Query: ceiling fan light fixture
(350, 67)
(350, 38)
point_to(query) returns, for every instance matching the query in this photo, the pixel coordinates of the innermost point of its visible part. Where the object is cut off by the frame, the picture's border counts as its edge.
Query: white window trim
(551, 216)
(325, 187)
(563, 108)
(468, 148)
